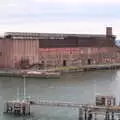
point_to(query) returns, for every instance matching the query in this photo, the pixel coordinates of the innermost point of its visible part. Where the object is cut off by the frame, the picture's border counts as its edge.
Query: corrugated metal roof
(23, 34)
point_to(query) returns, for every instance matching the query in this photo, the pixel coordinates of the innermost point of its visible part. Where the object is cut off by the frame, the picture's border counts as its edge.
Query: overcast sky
(60, 16)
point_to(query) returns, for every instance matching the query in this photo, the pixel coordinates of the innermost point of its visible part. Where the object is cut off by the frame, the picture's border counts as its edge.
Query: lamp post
(24, 79)
(18, 91)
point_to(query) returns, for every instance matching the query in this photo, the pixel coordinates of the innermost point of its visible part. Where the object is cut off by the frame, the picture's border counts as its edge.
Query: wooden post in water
(24, 77)
(80, 114)
(107, 116)
(85, 114)
(112, 116)
(18, 92)
(118, 116)
(90, 116)
(95, 116)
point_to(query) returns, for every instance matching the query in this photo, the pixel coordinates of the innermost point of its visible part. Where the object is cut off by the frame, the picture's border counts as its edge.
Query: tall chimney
(108, 31)
(109, 36)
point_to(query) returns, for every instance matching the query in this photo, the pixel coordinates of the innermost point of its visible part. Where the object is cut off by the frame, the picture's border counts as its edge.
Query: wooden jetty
(93, 108)
(84, 110)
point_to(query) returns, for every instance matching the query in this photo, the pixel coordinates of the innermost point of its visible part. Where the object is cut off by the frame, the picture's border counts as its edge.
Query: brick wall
(11, 52)
(77, 56)
(26, 49)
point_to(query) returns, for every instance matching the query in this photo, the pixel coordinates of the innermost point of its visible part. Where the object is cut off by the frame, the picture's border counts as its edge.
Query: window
(64, 63)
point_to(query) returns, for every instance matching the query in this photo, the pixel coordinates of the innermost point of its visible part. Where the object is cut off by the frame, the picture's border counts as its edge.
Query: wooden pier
(84, 110)
(76, 105)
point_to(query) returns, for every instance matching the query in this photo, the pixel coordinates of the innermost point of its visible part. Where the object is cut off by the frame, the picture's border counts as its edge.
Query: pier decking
(84, 110)
(76, 105)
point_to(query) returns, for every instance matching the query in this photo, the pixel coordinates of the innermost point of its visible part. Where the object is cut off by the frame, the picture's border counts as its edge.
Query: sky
(60, 16)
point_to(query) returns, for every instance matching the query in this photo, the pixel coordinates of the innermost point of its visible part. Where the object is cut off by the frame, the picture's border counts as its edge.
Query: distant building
(19, 50)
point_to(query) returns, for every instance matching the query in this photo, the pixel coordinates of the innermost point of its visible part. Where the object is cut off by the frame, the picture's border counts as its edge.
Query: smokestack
(108, 31)
(109, 35)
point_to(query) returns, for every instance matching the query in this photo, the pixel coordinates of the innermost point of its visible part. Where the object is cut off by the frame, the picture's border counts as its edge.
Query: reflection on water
(75, 87)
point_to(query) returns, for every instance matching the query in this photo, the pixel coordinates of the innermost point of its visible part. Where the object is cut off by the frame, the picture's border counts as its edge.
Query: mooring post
(112, 116)
(90, 116)
(95, 116)
(107, 115)
(85, 115)
(80, 114)
(118, 116)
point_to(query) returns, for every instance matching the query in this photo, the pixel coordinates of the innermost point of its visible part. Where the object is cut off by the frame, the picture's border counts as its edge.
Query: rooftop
(25, 34)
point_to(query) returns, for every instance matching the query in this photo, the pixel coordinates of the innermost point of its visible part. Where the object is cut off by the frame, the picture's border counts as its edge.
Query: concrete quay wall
(17, 73)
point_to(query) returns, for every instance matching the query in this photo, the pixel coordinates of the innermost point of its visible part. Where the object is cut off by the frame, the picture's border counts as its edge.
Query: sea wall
(54, 71)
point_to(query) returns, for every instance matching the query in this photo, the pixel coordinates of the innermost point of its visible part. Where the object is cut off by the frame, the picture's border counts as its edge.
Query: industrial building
(24, 50)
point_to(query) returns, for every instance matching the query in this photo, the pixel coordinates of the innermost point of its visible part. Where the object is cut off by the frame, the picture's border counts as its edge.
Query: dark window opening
(64, 63)
(8, 36)
(89, 61)
(43, 62)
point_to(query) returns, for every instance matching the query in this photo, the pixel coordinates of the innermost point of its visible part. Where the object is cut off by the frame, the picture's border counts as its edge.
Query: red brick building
(17, 49)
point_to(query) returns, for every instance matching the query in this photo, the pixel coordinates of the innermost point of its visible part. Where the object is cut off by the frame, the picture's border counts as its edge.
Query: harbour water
(74, 87)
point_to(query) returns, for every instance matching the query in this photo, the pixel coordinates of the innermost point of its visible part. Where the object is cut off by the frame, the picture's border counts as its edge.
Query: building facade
(20, 50)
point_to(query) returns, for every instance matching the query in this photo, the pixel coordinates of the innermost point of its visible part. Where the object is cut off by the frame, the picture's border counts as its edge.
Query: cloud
(97, 27)
(69, 16)
(78, 1)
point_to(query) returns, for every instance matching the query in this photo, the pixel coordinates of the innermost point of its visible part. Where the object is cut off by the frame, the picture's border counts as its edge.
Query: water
(73, 87)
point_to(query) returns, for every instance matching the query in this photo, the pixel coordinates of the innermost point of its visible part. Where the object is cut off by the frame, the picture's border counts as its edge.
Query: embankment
(53, 72)
(84, 68)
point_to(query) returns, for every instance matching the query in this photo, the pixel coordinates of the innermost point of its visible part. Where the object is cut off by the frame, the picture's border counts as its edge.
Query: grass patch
(67, 68)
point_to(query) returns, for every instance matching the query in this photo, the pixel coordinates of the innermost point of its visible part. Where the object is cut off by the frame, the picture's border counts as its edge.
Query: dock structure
(93, 108)
(17, 107)
(85, 111)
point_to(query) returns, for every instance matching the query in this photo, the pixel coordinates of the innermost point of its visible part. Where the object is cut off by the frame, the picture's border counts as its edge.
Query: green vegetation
(67, 68)
(82, 67)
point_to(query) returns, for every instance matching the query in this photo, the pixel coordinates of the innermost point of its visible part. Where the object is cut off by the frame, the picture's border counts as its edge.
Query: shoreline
(85, 68)
(70, 69)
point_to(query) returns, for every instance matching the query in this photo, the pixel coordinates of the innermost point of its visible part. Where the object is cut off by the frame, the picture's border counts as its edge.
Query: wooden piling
(80, 114)
(90, 116)
(95, 118)
(112, 116)
(85, 114)
(107, 116)
(118, 116)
